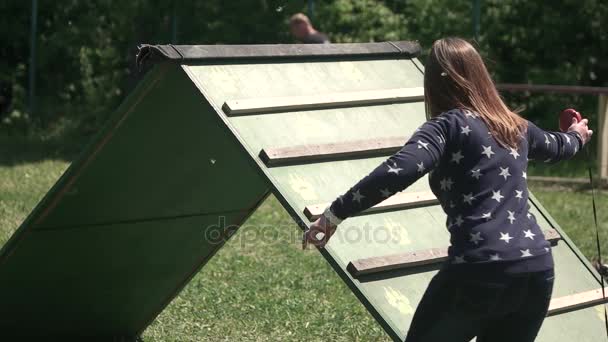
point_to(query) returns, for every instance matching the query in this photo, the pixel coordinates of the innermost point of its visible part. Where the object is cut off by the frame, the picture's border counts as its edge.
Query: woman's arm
(556, 146)
(421, 153)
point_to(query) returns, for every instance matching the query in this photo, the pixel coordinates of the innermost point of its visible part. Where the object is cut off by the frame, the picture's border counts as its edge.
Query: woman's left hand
(319, 233)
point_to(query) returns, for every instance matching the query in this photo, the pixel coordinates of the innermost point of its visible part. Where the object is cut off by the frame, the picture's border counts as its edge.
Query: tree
(86, 48)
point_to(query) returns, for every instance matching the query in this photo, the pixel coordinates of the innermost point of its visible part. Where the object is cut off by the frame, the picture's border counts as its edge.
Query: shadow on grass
(15, 149)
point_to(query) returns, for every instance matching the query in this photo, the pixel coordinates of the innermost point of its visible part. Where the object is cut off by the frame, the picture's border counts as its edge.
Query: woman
(498, 279)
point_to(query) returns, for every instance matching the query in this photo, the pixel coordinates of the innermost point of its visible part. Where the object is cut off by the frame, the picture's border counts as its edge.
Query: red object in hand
(565, 119)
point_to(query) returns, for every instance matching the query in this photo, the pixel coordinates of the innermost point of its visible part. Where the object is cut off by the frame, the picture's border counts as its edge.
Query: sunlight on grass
(264, 287)
(21, 188)
(261, 286)
(572, 210)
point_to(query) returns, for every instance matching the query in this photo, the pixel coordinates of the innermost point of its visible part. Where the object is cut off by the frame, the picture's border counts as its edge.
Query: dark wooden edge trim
(331, 151)
(184, 54)
(413, 259)
(548, 88)
(577, 301)
(321, 101)
(398, 201)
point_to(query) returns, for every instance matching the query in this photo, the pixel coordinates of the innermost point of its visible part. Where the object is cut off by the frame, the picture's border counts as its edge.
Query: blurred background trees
(85, 49)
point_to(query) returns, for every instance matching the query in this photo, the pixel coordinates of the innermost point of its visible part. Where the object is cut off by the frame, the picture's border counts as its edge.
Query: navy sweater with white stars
(481, 186)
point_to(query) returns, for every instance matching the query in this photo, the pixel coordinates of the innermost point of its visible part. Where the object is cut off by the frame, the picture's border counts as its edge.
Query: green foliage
(347, 21)
(86, 48)
(84, 64)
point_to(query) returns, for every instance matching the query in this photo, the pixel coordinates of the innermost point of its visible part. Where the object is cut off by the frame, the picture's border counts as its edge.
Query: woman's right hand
(581, 128)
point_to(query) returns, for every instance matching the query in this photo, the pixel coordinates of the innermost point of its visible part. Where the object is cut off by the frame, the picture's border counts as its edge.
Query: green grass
(261, 286)
(575, 167)
(21, 187)
(572, 210)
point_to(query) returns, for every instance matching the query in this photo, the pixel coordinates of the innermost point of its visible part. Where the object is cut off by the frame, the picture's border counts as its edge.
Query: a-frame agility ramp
(208, 133)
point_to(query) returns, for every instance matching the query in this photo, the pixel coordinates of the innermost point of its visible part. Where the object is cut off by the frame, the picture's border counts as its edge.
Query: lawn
(264, 289)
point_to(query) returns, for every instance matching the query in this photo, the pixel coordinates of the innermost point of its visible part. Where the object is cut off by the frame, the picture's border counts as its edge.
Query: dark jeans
(456, 307)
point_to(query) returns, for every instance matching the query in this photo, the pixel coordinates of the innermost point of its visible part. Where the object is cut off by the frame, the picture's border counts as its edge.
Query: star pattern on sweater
(468, 198)
(514, 153)
(456, 157)
(497, 196)
(459, 259)
(446, 184)
(528, 234)
(394, 169)
(420, 167)
(476, 174)
(357, 197)
(511, 217)
(458, 221)
(476, 238)
(504, 172)
(465, 130)
(519, 194)
(525, 253)
(422, 144)
(505, 237)
(386, 193)
(470, 114)
(495, 257)
(487, 150)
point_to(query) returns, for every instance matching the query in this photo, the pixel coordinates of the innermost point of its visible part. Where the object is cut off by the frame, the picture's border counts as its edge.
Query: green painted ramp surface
(131, 221)
(392, 296)
(172, 175)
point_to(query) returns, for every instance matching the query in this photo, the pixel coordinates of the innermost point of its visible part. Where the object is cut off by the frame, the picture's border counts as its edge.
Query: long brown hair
(456, 77)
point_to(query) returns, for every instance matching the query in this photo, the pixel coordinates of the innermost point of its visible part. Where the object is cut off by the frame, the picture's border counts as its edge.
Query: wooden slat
(552, 236)
(312, 102)
(331, 151)
(413, 259)
(397, 261)
(398, 201)
(576, 301)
